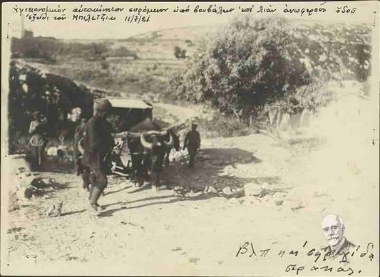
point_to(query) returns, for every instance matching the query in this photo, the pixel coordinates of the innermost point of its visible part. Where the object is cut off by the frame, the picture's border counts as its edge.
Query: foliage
(104, 64)
(121, 52)
(179, 53)
(250, 62)
(252, 67)
(222, 126)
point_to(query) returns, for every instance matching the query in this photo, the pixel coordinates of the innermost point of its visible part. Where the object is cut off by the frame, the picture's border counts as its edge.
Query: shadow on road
(74, 212)
(209, 169)
(111, 192)
(109, 213)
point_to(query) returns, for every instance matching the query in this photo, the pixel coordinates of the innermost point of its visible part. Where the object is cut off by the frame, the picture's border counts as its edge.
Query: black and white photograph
(190, 138)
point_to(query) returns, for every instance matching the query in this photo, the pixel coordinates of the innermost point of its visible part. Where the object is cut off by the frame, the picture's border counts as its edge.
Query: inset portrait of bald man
(333, 228)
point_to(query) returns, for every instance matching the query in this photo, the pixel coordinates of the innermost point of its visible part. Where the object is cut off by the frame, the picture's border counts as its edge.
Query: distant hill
(142, 63)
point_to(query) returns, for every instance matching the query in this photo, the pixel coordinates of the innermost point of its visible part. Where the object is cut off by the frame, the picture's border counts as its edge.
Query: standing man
(192, 143)
(38, 140)
(97, 143)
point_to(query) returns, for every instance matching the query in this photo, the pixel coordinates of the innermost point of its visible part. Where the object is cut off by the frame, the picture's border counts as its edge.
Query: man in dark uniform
(192, 143)
(333, 229)
(97, 144)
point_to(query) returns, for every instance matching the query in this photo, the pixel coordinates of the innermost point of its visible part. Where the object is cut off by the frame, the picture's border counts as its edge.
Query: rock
(54, 210)
(227, 191)
(252, 189)
(211, 189)
(279, 202)
(194, 194)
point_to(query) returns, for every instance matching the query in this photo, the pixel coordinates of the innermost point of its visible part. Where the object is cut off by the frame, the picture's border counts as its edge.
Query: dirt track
(165, 233)
(200, 233)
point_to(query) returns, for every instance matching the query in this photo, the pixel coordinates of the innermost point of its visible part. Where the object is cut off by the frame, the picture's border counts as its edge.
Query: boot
(95, 195)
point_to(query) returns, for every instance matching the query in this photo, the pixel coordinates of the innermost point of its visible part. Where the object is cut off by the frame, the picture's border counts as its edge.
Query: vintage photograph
(190, 138)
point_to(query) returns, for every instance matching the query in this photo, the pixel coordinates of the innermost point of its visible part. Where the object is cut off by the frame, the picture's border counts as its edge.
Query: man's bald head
(333, 229)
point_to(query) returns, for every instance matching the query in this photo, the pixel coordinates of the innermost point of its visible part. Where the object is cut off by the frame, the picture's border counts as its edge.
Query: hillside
(340, 50)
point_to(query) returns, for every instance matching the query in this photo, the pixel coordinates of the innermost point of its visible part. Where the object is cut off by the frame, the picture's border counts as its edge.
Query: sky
(70, 29)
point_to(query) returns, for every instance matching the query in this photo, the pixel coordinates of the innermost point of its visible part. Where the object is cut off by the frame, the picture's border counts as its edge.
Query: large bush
(252, 67)
(250, 62)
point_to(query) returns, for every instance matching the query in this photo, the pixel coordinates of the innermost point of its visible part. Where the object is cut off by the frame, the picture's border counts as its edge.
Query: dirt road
(200, 233)
(214, 225)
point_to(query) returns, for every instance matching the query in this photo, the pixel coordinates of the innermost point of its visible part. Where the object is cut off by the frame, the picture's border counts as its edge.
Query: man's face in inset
(333, 229)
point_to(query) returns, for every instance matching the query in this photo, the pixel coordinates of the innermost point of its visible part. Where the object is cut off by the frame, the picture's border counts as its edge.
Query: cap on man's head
(104, 105)
(36, 113)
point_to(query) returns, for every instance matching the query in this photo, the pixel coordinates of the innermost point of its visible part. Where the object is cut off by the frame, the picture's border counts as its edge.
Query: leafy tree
(246, 66)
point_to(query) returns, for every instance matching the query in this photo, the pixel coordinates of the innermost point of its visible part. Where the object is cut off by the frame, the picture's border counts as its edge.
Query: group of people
(98, 142)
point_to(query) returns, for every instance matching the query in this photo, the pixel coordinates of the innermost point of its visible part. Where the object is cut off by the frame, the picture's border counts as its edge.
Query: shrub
(247, 62)
(222, 126)
(179, 53)
(105, 64)
(252, 66)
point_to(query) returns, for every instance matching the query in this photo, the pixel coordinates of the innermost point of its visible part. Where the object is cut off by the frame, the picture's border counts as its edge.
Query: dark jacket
(192, 140)
(345, 248)
(97, 142)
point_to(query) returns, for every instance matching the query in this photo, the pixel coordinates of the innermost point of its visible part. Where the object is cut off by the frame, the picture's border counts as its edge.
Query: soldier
(192, 143)
(97, 143)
